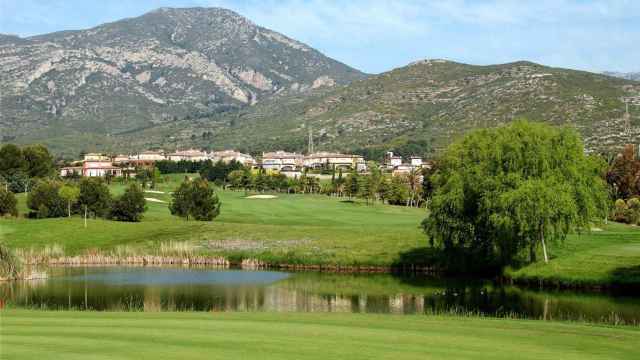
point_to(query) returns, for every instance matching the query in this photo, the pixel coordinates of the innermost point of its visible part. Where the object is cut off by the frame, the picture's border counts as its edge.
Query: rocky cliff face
(137, 73)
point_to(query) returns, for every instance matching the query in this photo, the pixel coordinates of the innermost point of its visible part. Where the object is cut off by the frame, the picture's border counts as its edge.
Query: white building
(188, 155)
(227, 156)
(392, 160)
(96, 157)
(282, 160)
(416, 161)
(149, 156)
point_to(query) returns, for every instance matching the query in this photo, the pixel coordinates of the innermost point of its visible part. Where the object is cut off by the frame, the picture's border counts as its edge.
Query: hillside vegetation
(433, 100)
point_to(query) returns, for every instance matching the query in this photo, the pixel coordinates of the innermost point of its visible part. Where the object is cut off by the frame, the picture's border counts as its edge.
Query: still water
(206, 289)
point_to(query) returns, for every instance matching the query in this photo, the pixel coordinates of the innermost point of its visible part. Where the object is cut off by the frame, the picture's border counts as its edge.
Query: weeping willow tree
(500, 192)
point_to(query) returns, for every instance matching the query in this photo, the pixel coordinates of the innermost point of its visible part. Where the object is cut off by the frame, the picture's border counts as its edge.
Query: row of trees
(90, 197)
(372, 187)
(20, 166)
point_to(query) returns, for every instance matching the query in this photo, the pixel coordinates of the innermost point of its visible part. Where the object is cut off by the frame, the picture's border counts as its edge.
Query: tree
(94, 197)
(38, 161)
(500, 191)
(70, 194)
(195, 199)
(8, 203)
(44, 200)
(130, 206)
(11, 159)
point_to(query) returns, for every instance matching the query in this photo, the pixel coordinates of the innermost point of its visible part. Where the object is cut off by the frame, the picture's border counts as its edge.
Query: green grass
(316, 229)
(597, 258)
(91, 335)
(312, 229)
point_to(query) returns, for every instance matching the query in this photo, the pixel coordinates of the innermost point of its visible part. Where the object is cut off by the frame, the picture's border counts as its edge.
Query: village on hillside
(291, 164)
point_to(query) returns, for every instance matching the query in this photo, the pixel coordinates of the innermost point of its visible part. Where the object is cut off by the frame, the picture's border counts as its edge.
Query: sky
(378, 35)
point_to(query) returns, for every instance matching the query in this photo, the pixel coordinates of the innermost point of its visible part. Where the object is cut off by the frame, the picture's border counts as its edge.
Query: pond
(206, 289)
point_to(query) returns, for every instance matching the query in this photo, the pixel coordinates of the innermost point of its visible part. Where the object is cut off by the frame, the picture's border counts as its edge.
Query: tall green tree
(130, 206)
(94, 196)
(44, 200)
(501, 191)
(38, 161)
(195, 199)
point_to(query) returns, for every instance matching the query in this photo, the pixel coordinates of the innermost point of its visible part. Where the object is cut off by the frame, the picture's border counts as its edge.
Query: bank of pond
(209, 289)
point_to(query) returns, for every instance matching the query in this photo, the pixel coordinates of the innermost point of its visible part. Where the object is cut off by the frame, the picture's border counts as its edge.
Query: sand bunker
(261, 197)
(155, 200)
(154, 191)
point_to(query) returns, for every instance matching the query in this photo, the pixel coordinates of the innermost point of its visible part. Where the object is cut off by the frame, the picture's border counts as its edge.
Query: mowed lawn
(599, 257)
(122, 335)
(309, 228)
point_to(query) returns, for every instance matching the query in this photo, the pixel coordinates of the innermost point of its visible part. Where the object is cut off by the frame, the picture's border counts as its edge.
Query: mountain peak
(167, 64)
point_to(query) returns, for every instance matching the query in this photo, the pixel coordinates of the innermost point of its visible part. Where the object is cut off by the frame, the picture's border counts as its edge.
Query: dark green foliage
(179, 167)
(195, 199)
(38, 161)
(19, 166)
(8, 203)
(94, 196)
(130, 206)
(219, 171)
(501, 191)
(44, 200)
(11, 159)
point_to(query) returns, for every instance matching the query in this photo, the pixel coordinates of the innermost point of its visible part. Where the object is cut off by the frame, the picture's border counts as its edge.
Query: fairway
(600, 257)
(91, 335)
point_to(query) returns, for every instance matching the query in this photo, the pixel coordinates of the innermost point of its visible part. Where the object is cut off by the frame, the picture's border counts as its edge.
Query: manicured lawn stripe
(90, 335)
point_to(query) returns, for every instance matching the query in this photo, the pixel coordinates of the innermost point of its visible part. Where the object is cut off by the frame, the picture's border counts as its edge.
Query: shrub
(44, 200)
(130, 206)
(8, 203)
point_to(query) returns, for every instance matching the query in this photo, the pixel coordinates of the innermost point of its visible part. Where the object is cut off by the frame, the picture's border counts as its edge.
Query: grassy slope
(88, 335)
(314, 229)
(601, 257)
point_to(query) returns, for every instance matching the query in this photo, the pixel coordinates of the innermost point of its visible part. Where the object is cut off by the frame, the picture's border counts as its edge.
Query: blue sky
(378, 35)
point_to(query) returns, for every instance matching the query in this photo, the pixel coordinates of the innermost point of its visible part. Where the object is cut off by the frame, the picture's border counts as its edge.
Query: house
(100, 168)
(416, 161)
(121, 159)
(96, 157)
(227, 156)
(71, 171)
(320, 159)
(188, 155)
(149, 156)
(282, 160)
(391, 160)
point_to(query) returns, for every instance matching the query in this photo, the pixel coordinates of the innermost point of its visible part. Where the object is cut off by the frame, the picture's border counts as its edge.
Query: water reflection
(189, 289)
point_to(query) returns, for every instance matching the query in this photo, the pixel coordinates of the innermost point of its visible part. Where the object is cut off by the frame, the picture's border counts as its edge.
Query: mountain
(73, 89)
(629, 76)
(421, 108)
(207, 77)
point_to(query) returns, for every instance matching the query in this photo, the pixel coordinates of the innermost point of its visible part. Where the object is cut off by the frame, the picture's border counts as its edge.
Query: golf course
(91, 335)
